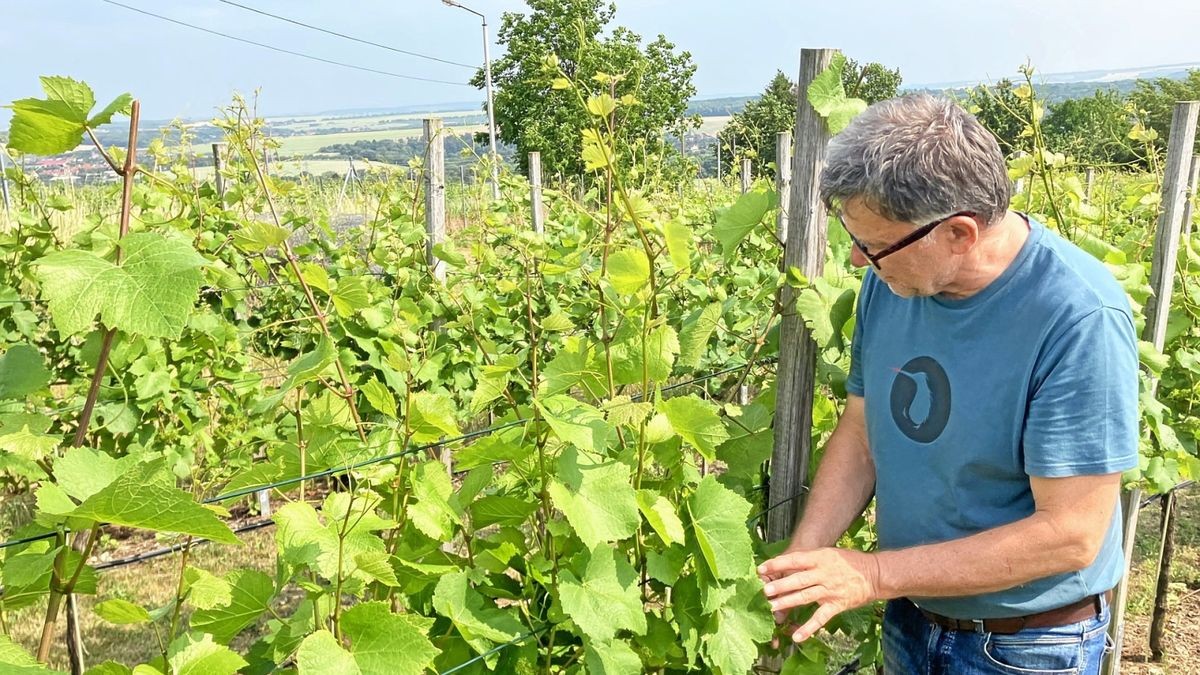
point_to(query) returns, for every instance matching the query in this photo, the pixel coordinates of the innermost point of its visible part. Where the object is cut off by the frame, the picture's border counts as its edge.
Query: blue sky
(179, 72)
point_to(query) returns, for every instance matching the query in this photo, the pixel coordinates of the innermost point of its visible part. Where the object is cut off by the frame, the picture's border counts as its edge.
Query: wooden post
(218, 150)
(718, 157)
(4, 179)
(435, 195)
(1089, 181)
(1162, 278)
(797, 351)
(1170, 220)
(1189, 206)
(783, 181)
(1166, 551)
(435, 219)
(746, 177)
(1131, 505)
(535, 192)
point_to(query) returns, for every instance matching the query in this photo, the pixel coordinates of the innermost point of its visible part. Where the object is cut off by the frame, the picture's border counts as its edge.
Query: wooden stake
(535, 192)
(797, 353)
(783, 181)
(218, 150)
(1189, 205)
(1166, 552)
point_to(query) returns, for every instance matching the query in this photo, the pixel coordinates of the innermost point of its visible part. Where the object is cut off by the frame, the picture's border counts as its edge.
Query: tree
(752, 132)
(1091, 129)
(1157, 98)
(1002, 112)
(533, 116)
(871, 82)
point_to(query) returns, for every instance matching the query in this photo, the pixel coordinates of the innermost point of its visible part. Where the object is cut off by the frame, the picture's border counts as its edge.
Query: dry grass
(1181, 637)
(150, 584)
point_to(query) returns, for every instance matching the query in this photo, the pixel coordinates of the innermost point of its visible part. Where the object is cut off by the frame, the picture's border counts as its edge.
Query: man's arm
(843, 485)
(1064, 534)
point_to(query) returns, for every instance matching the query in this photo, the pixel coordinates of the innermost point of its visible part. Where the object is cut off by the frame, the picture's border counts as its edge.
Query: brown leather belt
(1075, 612)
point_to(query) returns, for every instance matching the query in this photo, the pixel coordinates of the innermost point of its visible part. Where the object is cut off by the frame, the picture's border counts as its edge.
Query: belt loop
(1098, 603)
(978, 626)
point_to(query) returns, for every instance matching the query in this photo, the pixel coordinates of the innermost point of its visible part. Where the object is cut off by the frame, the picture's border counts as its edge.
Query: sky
(736, 45)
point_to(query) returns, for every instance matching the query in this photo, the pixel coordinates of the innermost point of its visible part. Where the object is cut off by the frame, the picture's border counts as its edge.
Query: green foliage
(752, 131)
(534, 114)
(1154, 101)
(57, 123)
(872, 82)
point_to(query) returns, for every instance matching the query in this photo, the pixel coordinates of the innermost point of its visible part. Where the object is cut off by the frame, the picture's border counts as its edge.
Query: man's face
(922, 269)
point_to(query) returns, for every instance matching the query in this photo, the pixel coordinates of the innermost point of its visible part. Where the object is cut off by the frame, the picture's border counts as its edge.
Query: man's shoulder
(1070, 281)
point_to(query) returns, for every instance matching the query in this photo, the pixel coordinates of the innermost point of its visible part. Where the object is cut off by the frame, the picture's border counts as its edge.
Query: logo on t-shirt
(921, 399)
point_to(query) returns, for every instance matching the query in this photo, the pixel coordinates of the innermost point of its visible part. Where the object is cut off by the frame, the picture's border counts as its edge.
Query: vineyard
(536, 441)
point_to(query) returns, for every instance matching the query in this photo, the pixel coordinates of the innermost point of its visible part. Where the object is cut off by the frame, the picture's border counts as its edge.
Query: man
(991, 408)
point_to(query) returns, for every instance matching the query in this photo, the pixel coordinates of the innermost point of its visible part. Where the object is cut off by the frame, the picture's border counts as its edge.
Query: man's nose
(857, 258)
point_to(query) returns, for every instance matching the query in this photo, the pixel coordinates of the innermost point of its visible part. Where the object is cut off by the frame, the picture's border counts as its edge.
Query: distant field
(711, 125)
(294, 167)
(373, 119)
(293, 146)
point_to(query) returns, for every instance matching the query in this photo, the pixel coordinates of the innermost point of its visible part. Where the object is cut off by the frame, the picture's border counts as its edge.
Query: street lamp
(487, 78)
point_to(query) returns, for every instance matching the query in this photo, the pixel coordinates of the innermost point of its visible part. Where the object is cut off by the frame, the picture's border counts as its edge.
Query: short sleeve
(1083, 413)
(854, 382)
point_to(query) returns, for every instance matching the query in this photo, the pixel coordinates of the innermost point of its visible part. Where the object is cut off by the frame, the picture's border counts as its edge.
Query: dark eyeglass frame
(910, 239)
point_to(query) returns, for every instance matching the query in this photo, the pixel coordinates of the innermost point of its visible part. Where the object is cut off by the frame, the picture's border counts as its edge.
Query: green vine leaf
(596, 497)
(697, 422)
(606, 599)
(56, 124)
(250, 593)
(151, 293)
(828, 96)
(145, 496)
(718, 527)
(22, 372)
(736, 222)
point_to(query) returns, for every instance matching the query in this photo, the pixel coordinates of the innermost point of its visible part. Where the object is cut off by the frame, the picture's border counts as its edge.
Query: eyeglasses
(912, 238)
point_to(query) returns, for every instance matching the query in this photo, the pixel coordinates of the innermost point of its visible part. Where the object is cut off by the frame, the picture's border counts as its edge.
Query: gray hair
(915, 159)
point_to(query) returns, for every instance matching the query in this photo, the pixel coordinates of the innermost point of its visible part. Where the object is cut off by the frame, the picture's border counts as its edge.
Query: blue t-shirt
(1035, 375)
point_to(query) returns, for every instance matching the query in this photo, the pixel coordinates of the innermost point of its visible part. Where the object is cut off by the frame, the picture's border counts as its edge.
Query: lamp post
(487, 78)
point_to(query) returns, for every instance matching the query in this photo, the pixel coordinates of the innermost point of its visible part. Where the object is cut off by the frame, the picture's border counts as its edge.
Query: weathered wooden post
(435, 217)
(718, 157)
(1166, 552)
(435, 195)
(535, 192)
(1189, 206)
(747, 179)
(218, 150)
(4, 178)
(1170, 220)
(783, 181)
(1089, 179)
(1162, 277)
(805, 250)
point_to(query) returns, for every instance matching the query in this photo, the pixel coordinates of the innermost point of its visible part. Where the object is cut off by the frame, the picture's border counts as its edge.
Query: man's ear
(962, 232)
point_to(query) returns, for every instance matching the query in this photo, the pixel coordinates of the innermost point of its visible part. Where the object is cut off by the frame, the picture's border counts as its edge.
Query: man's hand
(835, 579)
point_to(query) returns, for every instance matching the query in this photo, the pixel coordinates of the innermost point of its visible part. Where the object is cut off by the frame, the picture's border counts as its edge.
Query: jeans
(912, 645)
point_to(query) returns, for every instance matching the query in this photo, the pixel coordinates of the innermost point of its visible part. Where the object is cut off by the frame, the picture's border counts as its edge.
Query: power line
(282, 50)
(347, 37)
